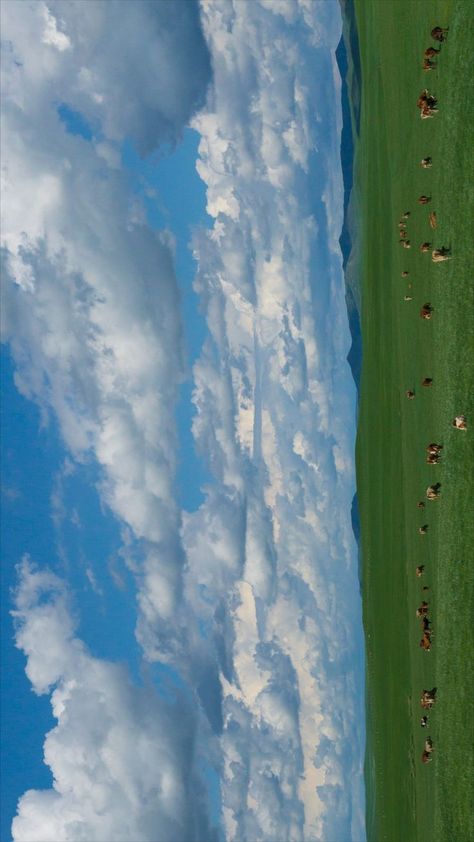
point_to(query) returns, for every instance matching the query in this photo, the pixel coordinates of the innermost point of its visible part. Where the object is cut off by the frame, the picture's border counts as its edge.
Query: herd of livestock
(428, 106)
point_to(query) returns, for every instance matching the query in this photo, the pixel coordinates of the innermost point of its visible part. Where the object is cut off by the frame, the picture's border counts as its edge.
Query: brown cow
(426, 757)
(439, 34)
(460, 422)
(433, 459)
(424, 200)
(425, 247)
(409, 393)
(420, 570)
(426, 311)
(433, 491)
(433, 448)
(420, 505)
(422, 610)
(427, 381)
(428, 64)
(425, 642)
(431, 52)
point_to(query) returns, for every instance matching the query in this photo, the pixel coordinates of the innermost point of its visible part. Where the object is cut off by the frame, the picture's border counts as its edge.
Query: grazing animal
(425, 624)
(438, 255)
(428, 111)
(433, 459)
(428, 64)
(426, 163)
(427, 381)
(431, 52)
(420, 570)
(433, 220)
(439, 34)
(403, 233)
(423, 529)
(434, 448)
(426, 311)
(424, 721)
(425, 642)
(406, 244)
(408, 298)
(429, 747)
(433, 491)
(425, 247)
(426, 100)
(405, 274)
(409, 394)
(424, 200)
(422, 610)
(426, 757)
(406, 215)
(420, 505)
(460, 422)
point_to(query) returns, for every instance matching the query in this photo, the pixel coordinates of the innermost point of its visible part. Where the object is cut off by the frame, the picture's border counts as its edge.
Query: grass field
(409, 801)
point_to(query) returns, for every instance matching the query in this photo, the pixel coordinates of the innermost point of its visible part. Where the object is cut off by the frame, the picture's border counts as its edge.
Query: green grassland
(407, 800)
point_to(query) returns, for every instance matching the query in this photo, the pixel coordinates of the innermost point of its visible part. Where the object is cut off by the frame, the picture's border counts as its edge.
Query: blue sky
(178, 440)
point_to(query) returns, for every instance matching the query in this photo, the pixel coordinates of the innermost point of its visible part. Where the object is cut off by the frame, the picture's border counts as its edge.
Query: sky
(182, 636)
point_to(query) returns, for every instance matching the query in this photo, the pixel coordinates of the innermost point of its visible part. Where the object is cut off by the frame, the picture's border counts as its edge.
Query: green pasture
(409, 801)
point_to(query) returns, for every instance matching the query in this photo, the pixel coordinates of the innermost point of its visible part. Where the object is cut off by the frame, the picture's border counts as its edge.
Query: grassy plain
(409, 801)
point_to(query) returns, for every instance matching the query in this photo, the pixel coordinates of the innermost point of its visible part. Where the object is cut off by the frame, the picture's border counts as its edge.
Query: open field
(409, 801)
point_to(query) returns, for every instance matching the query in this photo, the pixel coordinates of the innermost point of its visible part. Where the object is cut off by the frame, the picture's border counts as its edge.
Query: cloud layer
(122, 757)
(253, 600)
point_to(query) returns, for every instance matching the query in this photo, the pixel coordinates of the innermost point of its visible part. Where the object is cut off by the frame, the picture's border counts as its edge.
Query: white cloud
(275, 402)
(122, 757)
(90, 301)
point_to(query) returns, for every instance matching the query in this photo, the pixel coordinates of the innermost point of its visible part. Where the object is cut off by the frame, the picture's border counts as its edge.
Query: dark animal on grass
(433, 491)
(426, 311)
(422, 610)
(431, 52)
(426, 163)
(426, 100)
(459, 422)
(428, 64)
(429, 747)
(424, 200)
(426, 757)
(427, 381)
(409, 393)
(425, 247)
(439, 34)
(424, 721)
(425, 624)
(423, 529)
(420, 570)
(425, 642)
(433, 447)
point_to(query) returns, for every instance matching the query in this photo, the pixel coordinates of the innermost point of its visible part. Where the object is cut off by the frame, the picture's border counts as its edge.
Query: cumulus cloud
(123, 758)
(275, 415)
(90, 301)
